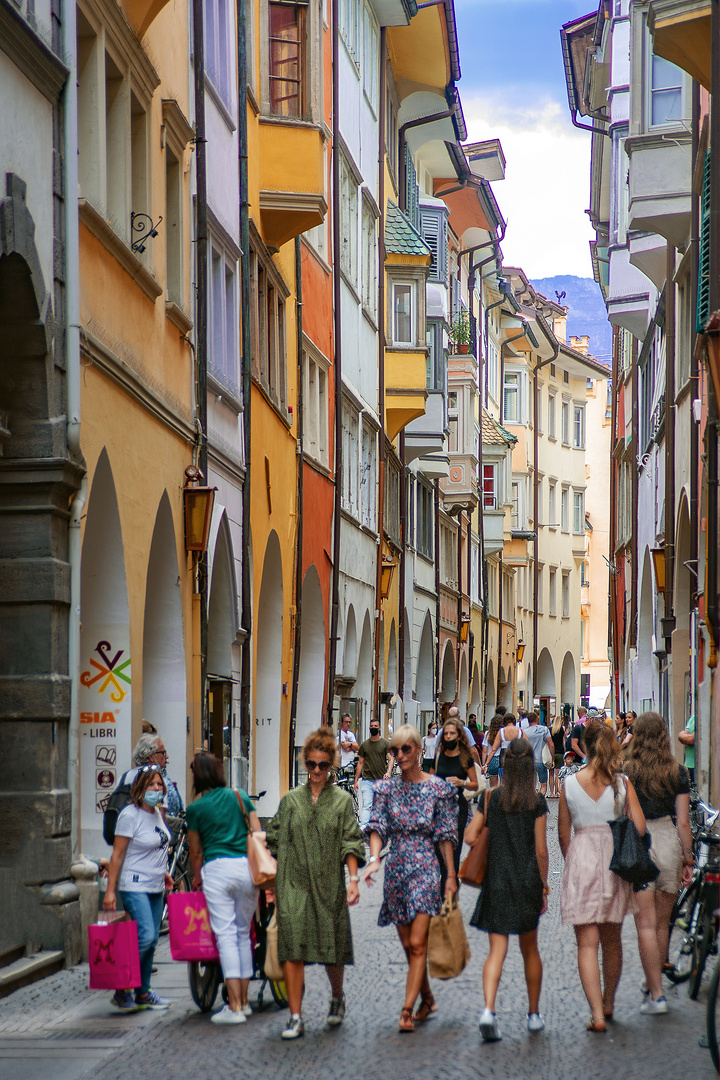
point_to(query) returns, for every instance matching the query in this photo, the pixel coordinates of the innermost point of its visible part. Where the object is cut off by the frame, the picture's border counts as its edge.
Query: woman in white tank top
(593, 899)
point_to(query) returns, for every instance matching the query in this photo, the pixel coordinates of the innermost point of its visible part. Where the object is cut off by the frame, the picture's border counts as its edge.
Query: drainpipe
(337, 373)
(419, 122)
(613, 628)
(375, 714)
(668, 623)
(500, 627)
(694, 367)
(246, 568)
(536, 506)
(711, 431)
(201, 240)
(72, 391)
(587, 127)
(300, 455)
(436, 489)
(634, 443)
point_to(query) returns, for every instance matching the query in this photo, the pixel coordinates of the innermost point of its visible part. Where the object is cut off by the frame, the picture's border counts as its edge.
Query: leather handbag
(263, 864)
(631, 852)
(448, 949)
(472, 868)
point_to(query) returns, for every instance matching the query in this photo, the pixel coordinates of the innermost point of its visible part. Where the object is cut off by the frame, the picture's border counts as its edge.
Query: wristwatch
(354, 877)
(373, 858)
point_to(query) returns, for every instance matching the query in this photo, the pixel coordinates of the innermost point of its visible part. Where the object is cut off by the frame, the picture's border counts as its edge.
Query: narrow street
(59, 1029)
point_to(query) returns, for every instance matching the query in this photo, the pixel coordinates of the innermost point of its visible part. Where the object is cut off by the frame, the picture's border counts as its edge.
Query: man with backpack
(149, 750)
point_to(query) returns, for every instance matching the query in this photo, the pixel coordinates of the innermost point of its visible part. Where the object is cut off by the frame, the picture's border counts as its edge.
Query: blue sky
(513, 88)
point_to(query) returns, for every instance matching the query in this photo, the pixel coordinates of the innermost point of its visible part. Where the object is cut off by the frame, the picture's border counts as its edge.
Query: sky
(513, 89)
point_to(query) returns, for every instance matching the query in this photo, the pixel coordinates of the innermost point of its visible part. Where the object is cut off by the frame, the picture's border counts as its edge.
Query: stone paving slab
(181, 1044)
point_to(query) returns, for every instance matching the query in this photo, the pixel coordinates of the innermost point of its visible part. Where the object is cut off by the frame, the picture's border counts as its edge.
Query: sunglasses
(323, 766)
(149, 768)
(406, 748)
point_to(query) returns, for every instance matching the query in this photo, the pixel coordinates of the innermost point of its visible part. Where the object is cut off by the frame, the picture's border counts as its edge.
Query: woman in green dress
(314, 835)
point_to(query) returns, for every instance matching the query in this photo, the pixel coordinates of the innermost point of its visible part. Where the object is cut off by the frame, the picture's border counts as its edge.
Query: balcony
(426, 434)
(648, 252)
(681, 34)
(405, 393)
(659, 181)
(628, 296)
(493, 528)
(291, 162)
(459, 489)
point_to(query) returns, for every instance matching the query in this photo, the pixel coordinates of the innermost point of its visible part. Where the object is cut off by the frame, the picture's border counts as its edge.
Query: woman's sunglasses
(406, 748)
(323, 766)
(149, 768)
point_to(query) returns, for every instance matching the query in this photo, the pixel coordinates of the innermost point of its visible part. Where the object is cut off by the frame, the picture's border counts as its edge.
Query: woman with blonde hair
(315, 835)
(415, 812)
(663, 791)
(593, 899)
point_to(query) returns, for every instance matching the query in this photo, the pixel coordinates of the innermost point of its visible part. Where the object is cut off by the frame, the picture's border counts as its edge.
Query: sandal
(598, 1026)
(406, 1021)
(427, 1009)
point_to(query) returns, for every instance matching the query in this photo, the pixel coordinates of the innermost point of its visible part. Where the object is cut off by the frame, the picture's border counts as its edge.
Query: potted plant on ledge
(461, 331)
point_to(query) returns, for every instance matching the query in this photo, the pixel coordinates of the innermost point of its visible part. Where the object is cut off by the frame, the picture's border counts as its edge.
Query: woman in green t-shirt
(217, 836)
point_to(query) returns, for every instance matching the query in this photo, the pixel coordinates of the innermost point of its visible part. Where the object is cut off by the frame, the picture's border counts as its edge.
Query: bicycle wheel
(702, 941)
(713, 1022)
(279, 993)
(680, 949)
(204, 980)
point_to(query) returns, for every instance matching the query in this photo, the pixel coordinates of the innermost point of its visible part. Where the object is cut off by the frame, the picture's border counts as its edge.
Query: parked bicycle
(694, 921)
(179, 866)
(345, 780)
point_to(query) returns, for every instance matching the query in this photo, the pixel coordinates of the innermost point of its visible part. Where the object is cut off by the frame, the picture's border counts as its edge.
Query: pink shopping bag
(114, 956)
(191, 938)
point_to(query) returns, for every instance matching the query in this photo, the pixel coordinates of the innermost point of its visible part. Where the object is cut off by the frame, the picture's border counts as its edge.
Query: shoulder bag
(548, 758)
(481, 782)
(263, 864)
(448, 949)
(472, 868)
(631, 852)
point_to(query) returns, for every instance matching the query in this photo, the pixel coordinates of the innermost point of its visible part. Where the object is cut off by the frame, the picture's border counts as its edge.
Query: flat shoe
(407, 1023)
(598, 1026)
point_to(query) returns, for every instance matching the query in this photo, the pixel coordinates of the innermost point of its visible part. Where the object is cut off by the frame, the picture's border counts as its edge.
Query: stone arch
(475, 695)
(490, 701)
(425, 680)
(164, 680)
(311, 678)
(268, 682)
(391, 683)
(350, 653)
(642, 687)
(567, 681)
(528, 687)
(363, 682)
(463, 688)
(222, 604)
(105, 659)
(448, 683)
(683, 579)
(545, 675)
(408, 651)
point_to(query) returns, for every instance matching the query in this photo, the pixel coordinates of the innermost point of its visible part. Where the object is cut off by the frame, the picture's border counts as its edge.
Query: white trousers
(231, 899)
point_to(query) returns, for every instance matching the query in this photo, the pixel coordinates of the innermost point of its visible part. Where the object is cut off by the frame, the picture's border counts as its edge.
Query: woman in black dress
(454, 763)
(514, 892)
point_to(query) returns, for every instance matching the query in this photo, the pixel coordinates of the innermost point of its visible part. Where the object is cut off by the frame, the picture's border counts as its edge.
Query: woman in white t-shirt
(138, 869)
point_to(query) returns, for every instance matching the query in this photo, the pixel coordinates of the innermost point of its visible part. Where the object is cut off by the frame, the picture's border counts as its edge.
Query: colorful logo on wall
(109, 670)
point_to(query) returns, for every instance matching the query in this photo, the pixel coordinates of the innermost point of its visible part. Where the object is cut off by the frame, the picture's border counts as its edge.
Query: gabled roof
(402, 238)
(493, 434)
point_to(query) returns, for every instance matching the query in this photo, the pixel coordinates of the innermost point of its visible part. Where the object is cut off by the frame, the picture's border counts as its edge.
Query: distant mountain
(586, 314)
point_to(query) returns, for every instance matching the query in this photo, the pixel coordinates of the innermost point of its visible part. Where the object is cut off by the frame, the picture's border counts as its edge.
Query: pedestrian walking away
(514, 890)
(505, 735)
(314, 836)
(593, 899)
(415, 812)
(539, 737)
(663, 791)
(491, 759)
(373, 765)
(138, 869)
(217, 836)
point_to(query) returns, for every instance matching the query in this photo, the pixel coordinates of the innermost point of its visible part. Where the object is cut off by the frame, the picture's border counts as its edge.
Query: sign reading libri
(105, 727)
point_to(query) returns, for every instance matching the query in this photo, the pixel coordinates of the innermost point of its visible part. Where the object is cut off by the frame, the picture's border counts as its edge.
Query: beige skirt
(591, 893)
(666, 853)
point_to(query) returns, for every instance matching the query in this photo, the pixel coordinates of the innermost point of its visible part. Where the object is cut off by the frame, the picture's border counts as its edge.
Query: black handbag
(631, 853)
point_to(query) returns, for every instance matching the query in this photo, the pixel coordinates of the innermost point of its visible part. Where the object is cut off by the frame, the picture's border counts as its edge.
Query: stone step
(28, 969)
(8, 956)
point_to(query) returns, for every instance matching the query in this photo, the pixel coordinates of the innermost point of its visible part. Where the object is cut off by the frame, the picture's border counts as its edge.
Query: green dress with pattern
(311, 843)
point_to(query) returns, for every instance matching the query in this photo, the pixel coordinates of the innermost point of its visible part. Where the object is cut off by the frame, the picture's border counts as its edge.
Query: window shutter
(434, 233)
(703, 293)
(412, 199)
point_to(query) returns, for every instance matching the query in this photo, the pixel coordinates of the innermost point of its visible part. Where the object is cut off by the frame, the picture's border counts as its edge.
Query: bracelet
(546, 890)
(373, 858)
(354, 877)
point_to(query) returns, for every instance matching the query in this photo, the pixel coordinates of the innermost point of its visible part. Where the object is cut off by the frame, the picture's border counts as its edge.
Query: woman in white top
(593, 899)
(429, 743)
(505, 736)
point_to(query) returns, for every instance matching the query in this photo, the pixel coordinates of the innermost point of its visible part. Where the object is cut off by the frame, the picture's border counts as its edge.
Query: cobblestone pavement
(58, 1029)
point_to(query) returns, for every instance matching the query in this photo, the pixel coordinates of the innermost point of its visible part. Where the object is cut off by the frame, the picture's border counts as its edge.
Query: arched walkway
(268, 688)
(447, 677)
(463, 688)
(222, 629)
(105, 668)
(425, 681)
(363, 683)
(391, 684)
(545, 675)
(350, 656)
(642, 688)
(475, 695)
(164, 684)
(567, 681)
(311, 680)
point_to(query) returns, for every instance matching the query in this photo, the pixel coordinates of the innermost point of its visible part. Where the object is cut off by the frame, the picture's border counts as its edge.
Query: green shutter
(703, 293)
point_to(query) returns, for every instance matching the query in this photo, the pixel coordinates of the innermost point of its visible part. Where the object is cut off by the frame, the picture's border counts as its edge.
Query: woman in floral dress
(415, 812)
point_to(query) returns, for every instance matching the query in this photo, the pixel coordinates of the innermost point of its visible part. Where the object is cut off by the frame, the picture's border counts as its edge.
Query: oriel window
(287, 58)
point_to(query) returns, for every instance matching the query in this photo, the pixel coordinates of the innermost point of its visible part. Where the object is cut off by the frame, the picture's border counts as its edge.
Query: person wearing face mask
(454, 763)
(138, 870)
(373, 765)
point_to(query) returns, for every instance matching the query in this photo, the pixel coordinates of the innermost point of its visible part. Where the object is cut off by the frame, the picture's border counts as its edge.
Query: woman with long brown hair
(514, 892)
(557, 731)
(454, 763)
(593, 899)
(663, 791)
(490, 761)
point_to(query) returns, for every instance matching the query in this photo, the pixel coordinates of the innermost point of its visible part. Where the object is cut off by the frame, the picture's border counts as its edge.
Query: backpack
(119, 798)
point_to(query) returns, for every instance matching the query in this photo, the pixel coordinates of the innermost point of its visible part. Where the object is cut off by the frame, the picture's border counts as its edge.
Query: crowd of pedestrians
(415, 792)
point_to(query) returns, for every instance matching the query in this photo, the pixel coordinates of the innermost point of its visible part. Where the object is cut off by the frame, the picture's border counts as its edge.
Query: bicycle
(712, 1022)
(179, 866)
(345, 780)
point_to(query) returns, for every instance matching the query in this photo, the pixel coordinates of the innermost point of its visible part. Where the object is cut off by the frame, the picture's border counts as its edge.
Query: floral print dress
(414, 817)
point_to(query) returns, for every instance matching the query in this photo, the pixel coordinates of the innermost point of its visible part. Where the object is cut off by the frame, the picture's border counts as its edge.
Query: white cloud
(546, 187)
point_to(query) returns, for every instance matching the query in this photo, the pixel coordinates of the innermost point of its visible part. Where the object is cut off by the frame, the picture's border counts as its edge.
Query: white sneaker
(535, 1022)
(294, 1028)
(246, 1009)
(228, 1016)
(489, 1026)
(652, 1007)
